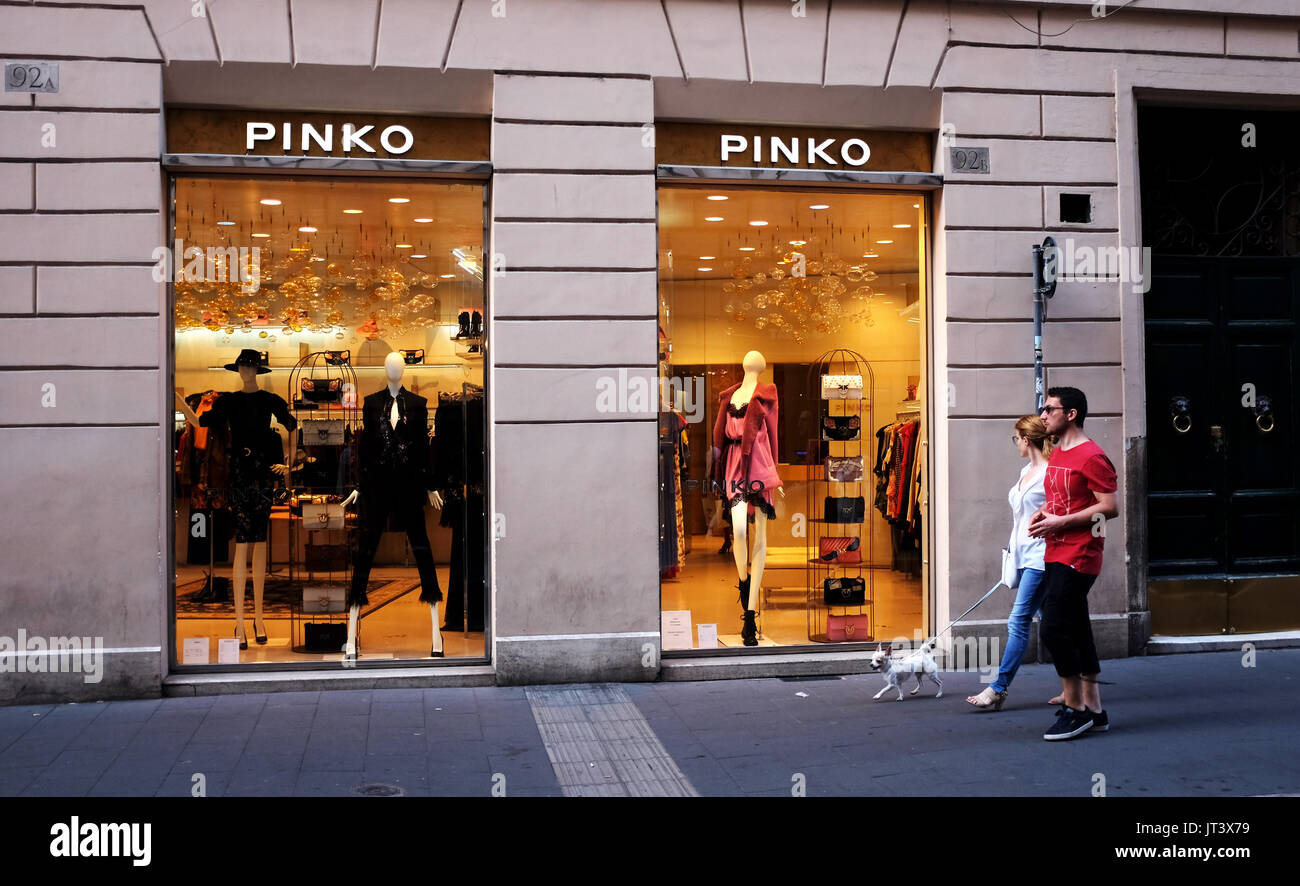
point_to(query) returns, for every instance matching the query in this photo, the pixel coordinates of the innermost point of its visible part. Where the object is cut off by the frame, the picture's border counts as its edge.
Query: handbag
(844, 510)
(844, 470)
(338, 358)
(323, 598)
(840, 428)
(413, 356)
(844, 591)
(325, 637)
(841, 387)
(839, 549)
(322, 432)
(1010, 574)
(322, 390)
(840, 628)
(322, 515)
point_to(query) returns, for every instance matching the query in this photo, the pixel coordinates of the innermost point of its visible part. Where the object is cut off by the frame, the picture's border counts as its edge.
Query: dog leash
(988, 594)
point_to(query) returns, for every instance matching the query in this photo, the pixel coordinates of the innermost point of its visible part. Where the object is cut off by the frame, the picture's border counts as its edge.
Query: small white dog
(921, 663)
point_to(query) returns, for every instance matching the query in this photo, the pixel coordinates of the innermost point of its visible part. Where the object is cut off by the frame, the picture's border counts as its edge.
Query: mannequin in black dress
(256, 458)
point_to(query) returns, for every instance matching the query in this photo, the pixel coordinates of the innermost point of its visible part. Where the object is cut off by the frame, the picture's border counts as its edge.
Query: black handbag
(841, 427)
(845, 510)
(322, 390)
(325, 636)
(844, 591)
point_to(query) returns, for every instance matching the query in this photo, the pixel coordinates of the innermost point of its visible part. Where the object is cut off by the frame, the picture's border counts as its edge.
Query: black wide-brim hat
(248, 357)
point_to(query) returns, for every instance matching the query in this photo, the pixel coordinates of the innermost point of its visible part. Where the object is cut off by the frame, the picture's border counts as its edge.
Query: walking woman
(1026, 497)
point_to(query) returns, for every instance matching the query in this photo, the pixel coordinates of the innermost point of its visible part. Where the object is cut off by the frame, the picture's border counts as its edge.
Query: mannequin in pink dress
(746, 477)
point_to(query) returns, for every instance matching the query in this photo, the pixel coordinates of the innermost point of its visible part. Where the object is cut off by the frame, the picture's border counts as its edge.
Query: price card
(195, 650)
(708, 636)
(228, 650)
(676, 627)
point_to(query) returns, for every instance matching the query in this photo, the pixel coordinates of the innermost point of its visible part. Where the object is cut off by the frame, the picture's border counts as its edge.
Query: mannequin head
(753, 363)
(248, 375)
(394, 367)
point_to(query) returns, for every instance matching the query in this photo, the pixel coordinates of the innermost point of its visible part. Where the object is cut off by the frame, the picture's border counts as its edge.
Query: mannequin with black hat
(256, 458)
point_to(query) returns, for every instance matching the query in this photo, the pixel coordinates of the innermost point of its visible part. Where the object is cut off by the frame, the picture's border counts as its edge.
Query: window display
(799, 317)
(353, 311)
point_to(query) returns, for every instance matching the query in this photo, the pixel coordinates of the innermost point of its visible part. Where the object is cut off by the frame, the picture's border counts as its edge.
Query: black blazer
(385, 452)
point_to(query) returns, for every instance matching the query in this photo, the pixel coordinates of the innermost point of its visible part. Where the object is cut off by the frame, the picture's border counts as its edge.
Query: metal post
(1038, 329)
(1045, 273)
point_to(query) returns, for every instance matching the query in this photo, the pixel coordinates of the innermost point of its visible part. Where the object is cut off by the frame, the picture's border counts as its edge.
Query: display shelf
(839, 361)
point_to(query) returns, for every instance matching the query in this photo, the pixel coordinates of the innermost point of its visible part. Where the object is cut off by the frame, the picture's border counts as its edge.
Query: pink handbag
(842, 628)
(839, 549)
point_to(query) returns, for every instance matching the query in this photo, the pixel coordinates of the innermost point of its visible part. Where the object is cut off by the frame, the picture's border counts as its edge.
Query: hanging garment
(457, 453)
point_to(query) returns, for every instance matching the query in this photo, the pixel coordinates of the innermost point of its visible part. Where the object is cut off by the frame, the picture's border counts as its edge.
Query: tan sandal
(988, 699)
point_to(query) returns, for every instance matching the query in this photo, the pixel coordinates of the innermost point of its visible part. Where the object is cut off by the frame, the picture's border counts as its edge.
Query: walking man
(1080, 490)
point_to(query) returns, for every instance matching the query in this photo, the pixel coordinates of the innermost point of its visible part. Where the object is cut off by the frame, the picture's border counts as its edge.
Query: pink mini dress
(756, 488)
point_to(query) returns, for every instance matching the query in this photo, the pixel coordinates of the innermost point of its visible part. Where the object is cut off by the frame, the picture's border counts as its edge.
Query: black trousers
(1066, 630)
(407, 507)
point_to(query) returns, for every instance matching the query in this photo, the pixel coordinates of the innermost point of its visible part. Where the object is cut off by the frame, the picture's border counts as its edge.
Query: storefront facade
(566, 154)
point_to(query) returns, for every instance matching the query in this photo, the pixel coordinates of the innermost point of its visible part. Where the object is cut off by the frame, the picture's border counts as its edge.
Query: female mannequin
(254, 462)
(394, 470)
(745, 475)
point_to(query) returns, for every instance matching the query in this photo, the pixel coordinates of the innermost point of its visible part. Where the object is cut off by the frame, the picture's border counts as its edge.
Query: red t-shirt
(1073, 475)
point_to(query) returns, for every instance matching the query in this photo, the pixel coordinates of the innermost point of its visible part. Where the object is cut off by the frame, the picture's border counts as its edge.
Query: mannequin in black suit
(394, 478)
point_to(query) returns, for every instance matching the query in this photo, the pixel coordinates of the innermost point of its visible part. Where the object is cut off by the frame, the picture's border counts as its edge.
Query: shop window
(318, 517)
(765, 292)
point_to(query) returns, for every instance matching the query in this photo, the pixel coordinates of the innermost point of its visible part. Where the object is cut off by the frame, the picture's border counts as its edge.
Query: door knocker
(1180, 408)
(1264, 415)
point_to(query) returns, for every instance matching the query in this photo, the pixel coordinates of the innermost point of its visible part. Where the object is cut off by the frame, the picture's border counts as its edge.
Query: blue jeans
(1029, 597)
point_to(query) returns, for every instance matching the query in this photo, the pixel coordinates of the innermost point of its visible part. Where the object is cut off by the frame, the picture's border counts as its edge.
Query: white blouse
(1026, 552)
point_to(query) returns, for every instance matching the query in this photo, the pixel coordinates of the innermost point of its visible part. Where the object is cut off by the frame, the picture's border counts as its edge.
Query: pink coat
(760, 418)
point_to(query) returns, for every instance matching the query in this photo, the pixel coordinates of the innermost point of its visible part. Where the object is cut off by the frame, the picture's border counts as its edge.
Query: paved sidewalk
(1186, 725)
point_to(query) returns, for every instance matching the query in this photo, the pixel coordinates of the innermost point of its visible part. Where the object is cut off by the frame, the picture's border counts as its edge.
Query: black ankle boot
(749, 633)
(463, 322)
(744, 593)
(476, 325)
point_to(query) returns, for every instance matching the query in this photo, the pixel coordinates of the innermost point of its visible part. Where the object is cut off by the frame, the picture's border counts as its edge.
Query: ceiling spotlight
(716, 197)
(916, 205)
(820, 206)
(748, 248)
(422, 221)
(419, 255)
(307, 229)
(269, 201)
(902, 226)
(402, 246)
(225, 223)
(446, 276)
(704, 269)
(713, 218)
(870, 255)
(352, 211)
(884, 241)
(399, 199)
(798, 242)
(707, 257)
(759, 223)
(261, 235)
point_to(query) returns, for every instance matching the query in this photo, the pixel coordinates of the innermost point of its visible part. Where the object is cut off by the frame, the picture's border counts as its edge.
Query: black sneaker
(1100, 722)
(1069, 723)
